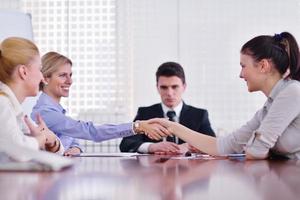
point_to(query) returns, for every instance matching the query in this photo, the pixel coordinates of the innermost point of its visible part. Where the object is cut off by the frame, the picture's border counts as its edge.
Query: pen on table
(236, 155)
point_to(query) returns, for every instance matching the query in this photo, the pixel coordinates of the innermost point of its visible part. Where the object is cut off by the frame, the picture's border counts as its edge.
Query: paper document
(109, 154)
(193, 156)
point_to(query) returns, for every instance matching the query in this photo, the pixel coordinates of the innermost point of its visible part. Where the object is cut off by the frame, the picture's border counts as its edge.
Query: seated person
(20, 77)
(57, 72)
(269, 64)
(170, 80)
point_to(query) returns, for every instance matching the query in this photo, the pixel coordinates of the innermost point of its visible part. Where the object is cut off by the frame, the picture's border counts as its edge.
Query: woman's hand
(153, 130)
(167, 124)
(36, 132)
(45, 137)
(72, 151)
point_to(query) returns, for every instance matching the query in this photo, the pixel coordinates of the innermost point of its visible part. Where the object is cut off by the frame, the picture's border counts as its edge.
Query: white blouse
(13, 128)
(275, 127)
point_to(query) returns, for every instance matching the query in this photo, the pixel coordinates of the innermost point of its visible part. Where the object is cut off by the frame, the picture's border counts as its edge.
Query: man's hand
(163, 148)
(193, 149)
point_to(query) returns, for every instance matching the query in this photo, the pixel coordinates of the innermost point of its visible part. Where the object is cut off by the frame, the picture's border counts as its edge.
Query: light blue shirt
(67, 128)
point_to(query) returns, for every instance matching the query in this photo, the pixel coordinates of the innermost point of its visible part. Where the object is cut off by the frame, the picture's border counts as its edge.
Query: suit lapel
(183, 114)
(159, 111)
(184, 117)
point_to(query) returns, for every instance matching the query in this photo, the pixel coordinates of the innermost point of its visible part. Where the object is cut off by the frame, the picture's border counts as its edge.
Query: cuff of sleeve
(61, 148)
(227, 144)
(257, 148)
(132, 128)
(220, 146)
(77, 146)
(144, 148)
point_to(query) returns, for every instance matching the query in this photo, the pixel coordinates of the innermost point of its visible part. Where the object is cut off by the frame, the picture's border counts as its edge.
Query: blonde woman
(20, 77)
(57, 72)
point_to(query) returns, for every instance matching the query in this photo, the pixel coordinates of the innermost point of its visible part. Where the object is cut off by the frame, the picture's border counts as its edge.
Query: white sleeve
(284, 109)
(144, 148)
(10, 130)
(61, 148)
(236, 141)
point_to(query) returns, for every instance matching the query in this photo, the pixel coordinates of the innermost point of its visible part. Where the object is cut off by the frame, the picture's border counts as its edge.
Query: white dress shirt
(13, 128)
(144, 148)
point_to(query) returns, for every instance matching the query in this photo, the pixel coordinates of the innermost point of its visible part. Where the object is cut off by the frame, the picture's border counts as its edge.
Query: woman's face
(251, 73)
(35, 76)
(59, 82)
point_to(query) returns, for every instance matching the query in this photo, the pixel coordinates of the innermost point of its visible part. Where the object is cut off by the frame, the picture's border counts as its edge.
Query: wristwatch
(136, 127)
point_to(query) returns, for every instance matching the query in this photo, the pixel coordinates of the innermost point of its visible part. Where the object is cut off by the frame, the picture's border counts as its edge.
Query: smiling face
(251, 72)
(59, 82)
(170, 90)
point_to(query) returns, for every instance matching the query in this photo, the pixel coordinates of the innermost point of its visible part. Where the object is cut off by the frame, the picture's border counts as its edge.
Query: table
(157, 177)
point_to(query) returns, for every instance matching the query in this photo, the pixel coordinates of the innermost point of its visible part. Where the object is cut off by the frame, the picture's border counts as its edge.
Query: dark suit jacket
(191, 117)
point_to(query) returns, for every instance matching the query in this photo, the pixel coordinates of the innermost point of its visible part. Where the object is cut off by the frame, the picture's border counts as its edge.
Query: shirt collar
(177, 109)
(12, 97)
(45, 99)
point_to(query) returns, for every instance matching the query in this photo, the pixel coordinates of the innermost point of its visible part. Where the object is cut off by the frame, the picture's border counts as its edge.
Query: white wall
(205, 37)
(14, 23)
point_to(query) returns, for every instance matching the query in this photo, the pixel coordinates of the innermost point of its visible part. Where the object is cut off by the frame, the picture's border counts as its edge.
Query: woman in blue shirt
(57, 73)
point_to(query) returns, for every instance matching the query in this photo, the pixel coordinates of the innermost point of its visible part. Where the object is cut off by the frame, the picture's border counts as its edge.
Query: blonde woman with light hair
(20, 77)
(57, 71)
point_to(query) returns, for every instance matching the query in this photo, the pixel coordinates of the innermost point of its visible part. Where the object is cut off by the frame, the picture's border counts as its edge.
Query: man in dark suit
(171, 85)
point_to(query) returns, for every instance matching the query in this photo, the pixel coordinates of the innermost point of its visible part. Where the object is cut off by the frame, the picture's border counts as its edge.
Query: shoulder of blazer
(154, 107)
(150, 111)
(195, 110)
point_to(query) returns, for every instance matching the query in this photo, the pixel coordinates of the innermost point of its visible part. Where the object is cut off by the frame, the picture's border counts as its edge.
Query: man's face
(170, 89)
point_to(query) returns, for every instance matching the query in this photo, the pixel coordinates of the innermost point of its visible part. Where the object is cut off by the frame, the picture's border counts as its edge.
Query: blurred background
(117, 45)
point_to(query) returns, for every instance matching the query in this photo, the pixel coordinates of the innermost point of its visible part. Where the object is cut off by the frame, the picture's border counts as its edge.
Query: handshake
(155, 128)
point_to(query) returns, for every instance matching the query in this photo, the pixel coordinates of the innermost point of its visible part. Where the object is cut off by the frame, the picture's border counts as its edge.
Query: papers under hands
(19, 158)
(109, 155)
(200, 156)
(193, 156)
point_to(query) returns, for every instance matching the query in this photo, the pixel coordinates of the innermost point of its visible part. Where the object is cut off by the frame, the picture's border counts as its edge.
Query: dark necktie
(171, 115)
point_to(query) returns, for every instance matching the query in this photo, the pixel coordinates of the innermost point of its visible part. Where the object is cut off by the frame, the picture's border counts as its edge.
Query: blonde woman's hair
(15, 51)
(51, 61)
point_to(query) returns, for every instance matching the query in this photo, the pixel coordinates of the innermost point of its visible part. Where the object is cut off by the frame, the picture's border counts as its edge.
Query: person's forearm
(204, 143)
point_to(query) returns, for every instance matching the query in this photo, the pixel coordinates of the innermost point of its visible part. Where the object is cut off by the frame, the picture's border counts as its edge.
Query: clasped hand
(155, 128)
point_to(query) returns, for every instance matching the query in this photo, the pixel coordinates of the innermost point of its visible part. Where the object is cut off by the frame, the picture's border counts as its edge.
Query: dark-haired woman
(270, 64)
